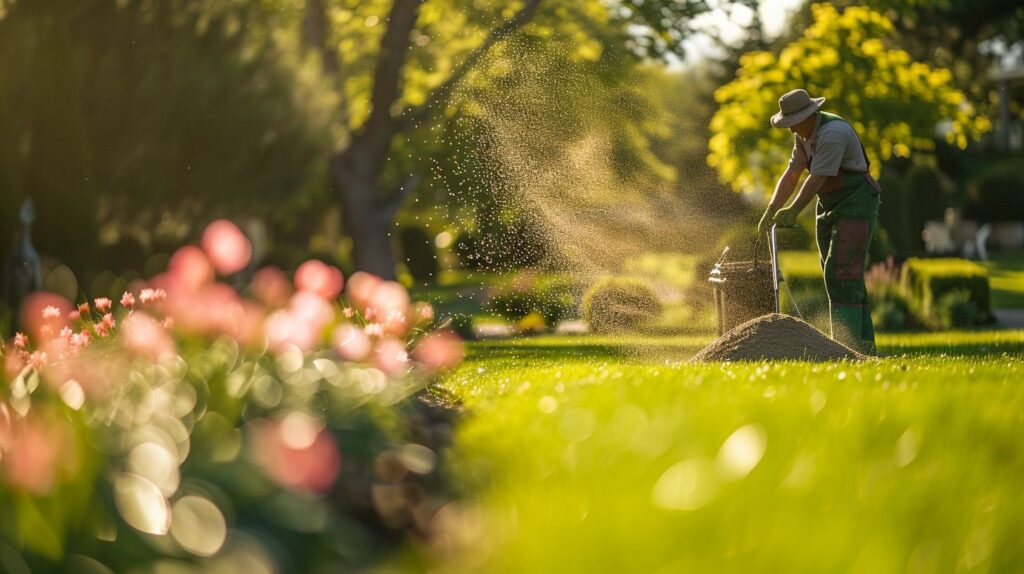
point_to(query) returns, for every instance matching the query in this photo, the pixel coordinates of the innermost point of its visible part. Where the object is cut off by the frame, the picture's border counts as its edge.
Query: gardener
(827, 146)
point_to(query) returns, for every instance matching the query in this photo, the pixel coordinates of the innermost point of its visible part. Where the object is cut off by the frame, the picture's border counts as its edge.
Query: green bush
(619, 304)
(956, 309)
(927, 281)
(997, 194)
(418, 252)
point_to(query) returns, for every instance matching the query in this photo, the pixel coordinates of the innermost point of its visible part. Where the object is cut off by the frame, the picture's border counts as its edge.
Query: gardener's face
(804, 128)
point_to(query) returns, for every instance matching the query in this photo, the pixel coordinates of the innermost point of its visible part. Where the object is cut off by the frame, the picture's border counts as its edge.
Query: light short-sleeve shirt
(831, 147)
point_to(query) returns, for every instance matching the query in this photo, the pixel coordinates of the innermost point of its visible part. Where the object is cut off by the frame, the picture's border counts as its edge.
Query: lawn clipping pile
(775, 337)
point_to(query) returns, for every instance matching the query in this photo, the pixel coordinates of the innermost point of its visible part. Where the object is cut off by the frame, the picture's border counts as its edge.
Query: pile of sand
(775, 337)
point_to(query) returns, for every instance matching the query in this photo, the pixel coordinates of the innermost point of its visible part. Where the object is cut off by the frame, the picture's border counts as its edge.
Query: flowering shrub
(188, 423)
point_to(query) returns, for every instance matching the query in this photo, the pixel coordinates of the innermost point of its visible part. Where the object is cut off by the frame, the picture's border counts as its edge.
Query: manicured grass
(613, 455)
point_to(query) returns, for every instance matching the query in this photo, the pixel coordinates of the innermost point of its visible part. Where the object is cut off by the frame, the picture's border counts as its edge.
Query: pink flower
(127, 300)
(349, 312)
(271, 286)
(20, 340)
(360, 287)
(37, 359)
(83, 308)
(351, 342)
(374, 329)
(74, 316)
(145, 336)
(80, 340)
(227, 247)
(296, 452)
(423, 311)
(44, 315)
(389, 302)
(283, 329)
(102, 304)
(149, 295)
(391, 357)
(323, 279)
(31, 460)
(107, 321)
(189, 268)
(439, 351)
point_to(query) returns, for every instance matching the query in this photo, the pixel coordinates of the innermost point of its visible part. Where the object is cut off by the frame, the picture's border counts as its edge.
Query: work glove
(765, 223)
(786, 217)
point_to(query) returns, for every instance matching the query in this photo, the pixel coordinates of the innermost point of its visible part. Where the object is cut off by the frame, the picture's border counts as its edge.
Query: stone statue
(23, 273)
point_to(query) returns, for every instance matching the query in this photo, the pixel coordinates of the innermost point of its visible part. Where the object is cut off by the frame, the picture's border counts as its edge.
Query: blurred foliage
(551, 298)
(135, 118)
(848, 59)
(997, 194)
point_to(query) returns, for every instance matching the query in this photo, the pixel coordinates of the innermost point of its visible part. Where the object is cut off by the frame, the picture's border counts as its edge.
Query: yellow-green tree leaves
(895, 104)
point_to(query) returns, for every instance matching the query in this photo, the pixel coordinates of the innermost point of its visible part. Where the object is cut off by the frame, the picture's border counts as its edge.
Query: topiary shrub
(956, 310)
(619, 304)
(927, 281)
(418, 252)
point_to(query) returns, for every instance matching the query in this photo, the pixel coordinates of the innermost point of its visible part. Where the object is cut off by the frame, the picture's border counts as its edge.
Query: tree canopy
(894, 103)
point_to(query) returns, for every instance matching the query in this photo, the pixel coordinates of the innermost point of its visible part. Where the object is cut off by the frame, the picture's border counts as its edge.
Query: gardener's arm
(786, 216)
(783, 190)
(826, 163)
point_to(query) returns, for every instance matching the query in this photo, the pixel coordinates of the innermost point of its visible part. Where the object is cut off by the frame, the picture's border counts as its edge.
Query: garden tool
(777, 278)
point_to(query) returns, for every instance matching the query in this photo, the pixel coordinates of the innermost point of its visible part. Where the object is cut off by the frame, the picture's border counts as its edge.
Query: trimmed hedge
(931, 283)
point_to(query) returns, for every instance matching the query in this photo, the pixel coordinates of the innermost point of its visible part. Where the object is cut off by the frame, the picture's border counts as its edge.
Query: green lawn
(612, 454)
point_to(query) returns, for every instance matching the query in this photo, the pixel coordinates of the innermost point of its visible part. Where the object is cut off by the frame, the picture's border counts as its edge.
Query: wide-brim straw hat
(794, 107)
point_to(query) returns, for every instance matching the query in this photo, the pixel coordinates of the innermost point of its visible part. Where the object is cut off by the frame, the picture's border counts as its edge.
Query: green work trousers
(844, 229)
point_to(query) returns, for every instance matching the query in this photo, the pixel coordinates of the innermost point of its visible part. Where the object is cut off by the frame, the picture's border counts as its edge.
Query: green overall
(846, 216)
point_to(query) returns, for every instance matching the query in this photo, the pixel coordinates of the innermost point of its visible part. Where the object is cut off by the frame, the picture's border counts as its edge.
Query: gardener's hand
(786, 217)
(766, 222)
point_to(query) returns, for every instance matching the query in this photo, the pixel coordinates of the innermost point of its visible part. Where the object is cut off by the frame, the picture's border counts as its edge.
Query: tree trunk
(367, 219)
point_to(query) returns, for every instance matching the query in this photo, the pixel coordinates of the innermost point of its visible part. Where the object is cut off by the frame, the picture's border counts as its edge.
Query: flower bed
(278, 428)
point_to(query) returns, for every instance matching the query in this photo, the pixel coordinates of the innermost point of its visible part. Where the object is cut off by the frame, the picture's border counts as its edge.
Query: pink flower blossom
(74, 316)
(80, 340)
(323, 279)
(127, 300)
(391, 357)
(20, 340)
(423, 311)
(374, 329)
(296, 452)
(361, 286)
(349, 312)
(37, 359)
(83, 308)
(351, 342)
(189, 269)
(66, 333)
(145, 336)
(226, 246)
(150, 295)
(439, 351)
(102, 304)
(271, 286)
(43, 315)
(33, 454)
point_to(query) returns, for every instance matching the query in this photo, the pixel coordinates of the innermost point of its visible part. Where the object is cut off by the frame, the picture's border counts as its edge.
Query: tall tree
(847, 58)
(393, 105)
